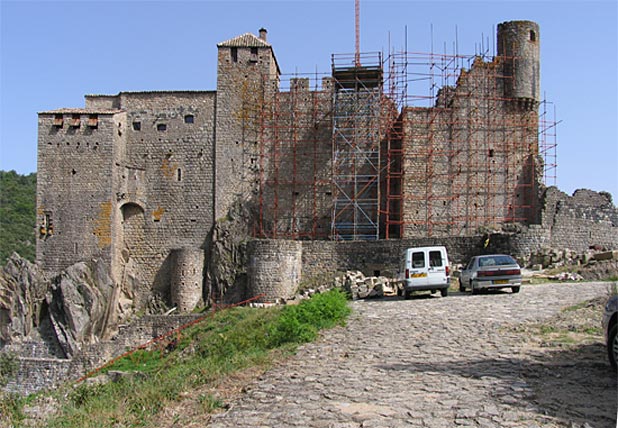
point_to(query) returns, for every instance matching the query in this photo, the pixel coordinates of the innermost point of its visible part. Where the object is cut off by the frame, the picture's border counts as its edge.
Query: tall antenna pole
(357, 32)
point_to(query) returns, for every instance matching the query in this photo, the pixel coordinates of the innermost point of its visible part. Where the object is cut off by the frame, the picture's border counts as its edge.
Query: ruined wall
(580, 221)
(38, 370)
(75, 192)
(470, 162)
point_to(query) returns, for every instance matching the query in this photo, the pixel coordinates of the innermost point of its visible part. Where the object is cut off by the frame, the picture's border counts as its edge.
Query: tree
(17, 215)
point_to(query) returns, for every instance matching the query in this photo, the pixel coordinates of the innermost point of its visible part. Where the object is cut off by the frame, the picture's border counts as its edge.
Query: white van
(424, 268)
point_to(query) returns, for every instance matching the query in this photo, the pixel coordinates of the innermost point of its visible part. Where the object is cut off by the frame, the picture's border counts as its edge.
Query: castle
(139, 179)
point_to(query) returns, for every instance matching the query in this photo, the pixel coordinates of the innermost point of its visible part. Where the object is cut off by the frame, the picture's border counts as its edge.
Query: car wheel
(515, 289)
(406, 294)
(474, 290)
(444, 292)
(612, 346)
(461, 287)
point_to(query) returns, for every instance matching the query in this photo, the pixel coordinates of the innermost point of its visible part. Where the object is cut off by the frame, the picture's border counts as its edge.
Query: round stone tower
(187, 266)
(274, 269)
(519, 45)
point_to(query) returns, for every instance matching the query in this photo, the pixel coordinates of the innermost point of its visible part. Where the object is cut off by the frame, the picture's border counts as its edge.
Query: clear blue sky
(53, 53)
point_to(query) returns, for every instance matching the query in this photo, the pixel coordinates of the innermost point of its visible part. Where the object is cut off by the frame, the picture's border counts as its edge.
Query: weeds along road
(462, 360)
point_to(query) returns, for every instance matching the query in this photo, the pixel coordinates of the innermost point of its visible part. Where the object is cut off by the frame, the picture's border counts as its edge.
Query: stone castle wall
(75, 191)
(577, 222)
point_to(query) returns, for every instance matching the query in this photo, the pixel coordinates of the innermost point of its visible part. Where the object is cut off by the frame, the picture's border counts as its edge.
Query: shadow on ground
(575, 385)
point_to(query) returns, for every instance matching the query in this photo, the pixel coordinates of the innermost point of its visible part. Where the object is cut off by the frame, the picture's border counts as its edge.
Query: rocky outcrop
(22, 295)
(77, 302)
(66, 312)
(226, 277)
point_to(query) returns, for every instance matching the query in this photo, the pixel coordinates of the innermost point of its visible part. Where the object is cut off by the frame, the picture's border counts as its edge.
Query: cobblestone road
(438, 362)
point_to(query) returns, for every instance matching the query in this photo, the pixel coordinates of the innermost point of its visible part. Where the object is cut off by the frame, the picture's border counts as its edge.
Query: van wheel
(444, 292)
(515, 289)
(406, 294)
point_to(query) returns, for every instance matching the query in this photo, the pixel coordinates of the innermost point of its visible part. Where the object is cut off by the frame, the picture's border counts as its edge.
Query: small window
(254, 55)
(435, 259)
(161, 127)
(47, 228)
(179, 174)
(234, 54)
(75, 120)
(418, 260)
(58, 120)
(532, 36)
(137, 126)
(93, 121)
(189, 118)
(491, 153)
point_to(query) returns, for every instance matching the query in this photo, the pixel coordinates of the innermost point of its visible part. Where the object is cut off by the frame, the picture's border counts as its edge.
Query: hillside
(17, 215)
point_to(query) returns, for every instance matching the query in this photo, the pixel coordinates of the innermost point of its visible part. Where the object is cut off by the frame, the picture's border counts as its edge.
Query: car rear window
(496, 261)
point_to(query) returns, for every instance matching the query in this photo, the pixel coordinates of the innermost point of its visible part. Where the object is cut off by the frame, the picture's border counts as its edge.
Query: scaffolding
(357, 111)
(416, 144)
(462, 157)
(293, 162)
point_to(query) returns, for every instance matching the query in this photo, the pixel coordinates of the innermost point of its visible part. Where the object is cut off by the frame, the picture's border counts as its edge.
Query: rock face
(226, 278)
(22, 293)
(68, 311)
(77, 302)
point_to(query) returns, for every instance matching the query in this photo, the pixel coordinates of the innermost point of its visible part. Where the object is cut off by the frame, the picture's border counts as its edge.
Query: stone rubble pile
(362, 287)
(594, 264)
(553, 258)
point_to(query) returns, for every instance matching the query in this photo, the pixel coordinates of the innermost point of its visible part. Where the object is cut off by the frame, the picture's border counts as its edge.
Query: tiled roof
(246, 40)
(81, 111)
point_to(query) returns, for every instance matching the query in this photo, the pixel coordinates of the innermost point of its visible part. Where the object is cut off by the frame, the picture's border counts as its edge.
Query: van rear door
(418, 270)
(436, 271)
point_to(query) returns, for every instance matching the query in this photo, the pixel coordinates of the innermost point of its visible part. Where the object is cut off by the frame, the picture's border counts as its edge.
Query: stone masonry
(131, 178)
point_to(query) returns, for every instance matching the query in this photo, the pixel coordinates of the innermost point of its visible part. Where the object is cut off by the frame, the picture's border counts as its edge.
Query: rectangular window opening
(418, 260)
(161, 127)
(93, 121)
(254, 55)
(58, 120)
(137, 126)
(189, 118)
(179, 174)
(75, 121)
(234, 54)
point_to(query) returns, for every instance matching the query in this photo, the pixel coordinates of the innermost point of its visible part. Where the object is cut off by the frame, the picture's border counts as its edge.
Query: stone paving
(437, 362)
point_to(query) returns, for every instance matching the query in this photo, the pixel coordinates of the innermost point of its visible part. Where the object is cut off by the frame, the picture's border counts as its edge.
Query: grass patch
(206, 353)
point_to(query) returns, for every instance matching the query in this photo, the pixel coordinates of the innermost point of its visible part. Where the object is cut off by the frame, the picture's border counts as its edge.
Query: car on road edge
(491, 271)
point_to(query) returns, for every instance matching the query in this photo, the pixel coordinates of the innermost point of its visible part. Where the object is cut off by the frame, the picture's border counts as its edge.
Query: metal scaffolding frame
(357, 132)
(417, 144)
